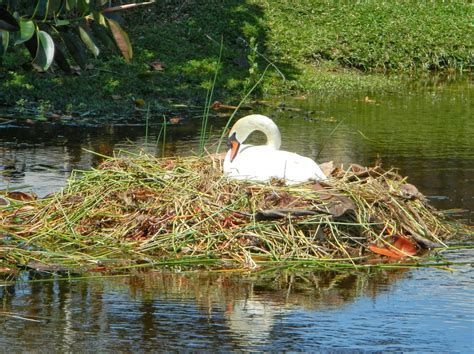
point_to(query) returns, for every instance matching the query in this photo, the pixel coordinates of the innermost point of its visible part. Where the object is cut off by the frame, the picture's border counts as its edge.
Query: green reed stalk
(207, 106)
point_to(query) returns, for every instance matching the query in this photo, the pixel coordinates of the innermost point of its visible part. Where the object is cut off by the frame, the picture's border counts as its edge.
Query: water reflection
(204, 310)
(219, 311)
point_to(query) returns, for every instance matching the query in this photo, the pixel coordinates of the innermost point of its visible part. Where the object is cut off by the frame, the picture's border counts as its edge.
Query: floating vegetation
(141, 211)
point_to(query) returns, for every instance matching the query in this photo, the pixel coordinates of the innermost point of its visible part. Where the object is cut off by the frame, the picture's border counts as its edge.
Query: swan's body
(264, 162)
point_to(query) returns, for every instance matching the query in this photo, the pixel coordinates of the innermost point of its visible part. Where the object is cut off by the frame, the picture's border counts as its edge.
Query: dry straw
(140, 210)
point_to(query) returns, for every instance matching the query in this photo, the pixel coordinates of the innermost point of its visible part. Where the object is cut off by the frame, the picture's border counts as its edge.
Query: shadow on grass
(183, 36)
(186, 36)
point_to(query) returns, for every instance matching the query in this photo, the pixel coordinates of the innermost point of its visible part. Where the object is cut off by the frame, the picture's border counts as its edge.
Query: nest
(141, 210)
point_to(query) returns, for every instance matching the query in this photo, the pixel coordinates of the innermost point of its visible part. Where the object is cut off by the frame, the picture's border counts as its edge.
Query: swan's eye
(231, 139)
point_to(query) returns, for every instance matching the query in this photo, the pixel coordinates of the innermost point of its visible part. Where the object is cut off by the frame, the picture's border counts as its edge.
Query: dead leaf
(24, 209)
(176, 120)
(218, 105)
(4, 202)
(327, 167)
(43, 267)
(323, 193)
(7, 270)
(356, 168)
(24, 197)
(401, 247)
(275, 214)
(98, 269)
(157, 65)
(340, 206)
(410, 191)
(368, 100)
(385, 252)
(139, 102)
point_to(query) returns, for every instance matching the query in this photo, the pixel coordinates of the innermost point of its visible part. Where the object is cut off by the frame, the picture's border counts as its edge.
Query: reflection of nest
(314, 290)
(182, 211)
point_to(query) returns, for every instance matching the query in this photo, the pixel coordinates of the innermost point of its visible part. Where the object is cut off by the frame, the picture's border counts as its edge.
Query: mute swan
(263, 162)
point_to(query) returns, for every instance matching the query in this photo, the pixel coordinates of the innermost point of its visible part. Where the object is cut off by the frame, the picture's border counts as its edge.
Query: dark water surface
(427, 133)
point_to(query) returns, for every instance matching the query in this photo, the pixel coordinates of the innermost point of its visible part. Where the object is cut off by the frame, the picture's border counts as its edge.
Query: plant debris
(138, 210)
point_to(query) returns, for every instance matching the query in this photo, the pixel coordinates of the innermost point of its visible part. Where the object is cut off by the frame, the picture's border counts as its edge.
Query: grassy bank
(318, 47)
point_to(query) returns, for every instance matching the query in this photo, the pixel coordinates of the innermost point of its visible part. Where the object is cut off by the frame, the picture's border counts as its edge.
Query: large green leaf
(101, 2)
(61, 60)
(41, 9)
(7, 21)
(32, 45)
(4, 38)
(27, 30)
(83, 6)
(71, 4)
(121, 38)
(99, 18)
(88, 40)
(61, 22)
(77, 52)
(44, 52)
(116, 17)
(53, 7)
(102, 34)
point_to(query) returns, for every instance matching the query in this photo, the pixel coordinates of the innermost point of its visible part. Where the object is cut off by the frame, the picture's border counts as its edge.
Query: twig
(126, 6)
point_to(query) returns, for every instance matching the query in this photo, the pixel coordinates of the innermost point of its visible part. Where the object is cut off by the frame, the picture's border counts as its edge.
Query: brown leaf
(4, 202)
(24, 209)
(323, 193)
(121, 38)
(405, 245)
(157, 65)
(327, 167)
(7, 270)
(337, 205)
(218, 105)
(176, 120)
(401, 247)
(410, 191)
(356, 168)
(384, 252)
(275, 214)
(340, 206)
(24, 197)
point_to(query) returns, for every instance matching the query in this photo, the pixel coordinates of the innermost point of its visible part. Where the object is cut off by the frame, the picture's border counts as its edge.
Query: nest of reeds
(170, 211)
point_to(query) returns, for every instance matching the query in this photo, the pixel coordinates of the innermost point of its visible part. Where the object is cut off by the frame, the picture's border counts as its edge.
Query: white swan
(263, 162)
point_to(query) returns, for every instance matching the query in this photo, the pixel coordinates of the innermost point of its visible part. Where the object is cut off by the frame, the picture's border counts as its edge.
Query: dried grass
(139, 210)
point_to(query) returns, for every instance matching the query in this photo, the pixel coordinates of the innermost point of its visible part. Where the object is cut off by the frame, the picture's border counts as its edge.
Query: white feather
(264, 162)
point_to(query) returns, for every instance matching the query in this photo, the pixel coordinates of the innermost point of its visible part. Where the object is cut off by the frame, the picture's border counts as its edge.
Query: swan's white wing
(299, 168)
(261, 163)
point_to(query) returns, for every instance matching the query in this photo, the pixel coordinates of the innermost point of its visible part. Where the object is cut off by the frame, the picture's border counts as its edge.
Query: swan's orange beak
(234, 146)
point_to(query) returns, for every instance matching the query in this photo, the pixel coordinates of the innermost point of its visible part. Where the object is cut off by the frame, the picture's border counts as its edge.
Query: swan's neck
(273, 138)
(245, 126)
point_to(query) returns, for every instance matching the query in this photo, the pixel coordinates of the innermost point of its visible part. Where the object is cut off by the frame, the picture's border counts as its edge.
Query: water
(427, 133)
(420, 310)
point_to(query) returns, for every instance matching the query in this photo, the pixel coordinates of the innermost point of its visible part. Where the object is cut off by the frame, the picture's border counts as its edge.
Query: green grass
(323, 48)
(373, 36)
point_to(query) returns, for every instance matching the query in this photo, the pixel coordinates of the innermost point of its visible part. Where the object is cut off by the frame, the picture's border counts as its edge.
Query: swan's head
(246, 125)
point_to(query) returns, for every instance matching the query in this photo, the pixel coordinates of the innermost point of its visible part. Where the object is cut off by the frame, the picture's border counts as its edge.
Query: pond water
(426, 132)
